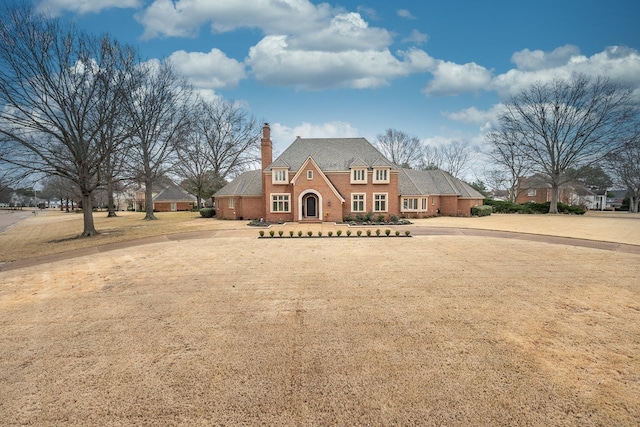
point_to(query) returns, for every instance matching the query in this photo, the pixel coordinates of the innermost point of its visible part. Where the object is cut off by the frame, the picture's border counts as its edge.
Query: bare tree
(431, 158)
(505, 151)
(159, 116)
(626, 163)
(567, 124)
(401, 149)
(51, 81)
(223, 141)
(456, 157)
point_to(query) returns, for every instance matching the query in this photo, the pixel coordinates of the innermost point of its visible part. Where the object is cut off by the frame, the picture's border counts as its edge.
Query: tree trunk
(87, 213)
(553, 207)
(111, 206)
(199, 201)
(148, 201)
(633, 203)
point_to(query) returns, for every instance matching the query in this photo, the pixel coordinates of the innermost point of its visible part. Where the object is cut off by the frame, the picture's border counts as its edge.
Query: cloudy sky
(437, 70)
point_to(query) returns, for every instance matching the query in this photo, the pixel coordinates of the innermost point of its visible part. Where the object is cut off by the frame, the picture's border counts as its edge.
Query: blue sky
(437, 70)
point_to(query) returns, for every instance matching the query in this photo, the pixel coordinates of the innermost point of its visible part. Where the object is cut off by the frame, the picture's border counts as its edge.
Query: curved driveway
(10, 218)
(417, 231)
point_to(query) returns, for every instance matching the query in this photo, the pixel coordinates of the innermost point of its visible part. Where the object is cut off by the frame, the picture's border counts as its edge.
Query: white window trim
(531, 192)
(231, 203)
(381, 181)
(309, 174)
(271, 195)
(364, 202)
(405, 199)
(386, 202)
(274, 175)
(353, 180)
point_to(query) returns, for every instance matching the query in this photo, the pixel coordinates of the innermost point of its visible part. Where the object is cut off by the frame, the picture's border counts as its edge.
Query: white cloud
(183, 18)
(618, 63)
(56, 7)
(282, 136)
(528, 60)
(274, 62)
(452, 79)
(212, 70)
(404, 13)
(416, 37)
(485, 119)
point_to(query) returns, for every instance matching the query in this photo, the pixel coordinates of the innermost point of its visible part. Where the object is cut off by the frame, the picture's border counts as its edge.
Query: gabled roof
(330, 154)
(174, 193)
(322, 175)
(280, 163)
(424, 183)
(246, 184)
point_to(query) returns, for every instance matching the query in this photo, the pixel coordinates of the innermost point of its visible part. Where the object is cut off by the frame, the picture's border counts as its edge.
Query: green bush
(368, 217)
(329, 233)
(261, 233)
(348, 218)
(387, 232)
(309, 233)
(299, 233)
(280, 232)
(368, 232)
(360, 218)
(397, 233)
(407, 233)
(500, 206)
(394, 218)
(319, 233)
(378, 232)
(338, 232)
(271, 233)
(380, 218)
(348, 233)
(290, 233)
(359, 233)
(207, 212)
(481, 210)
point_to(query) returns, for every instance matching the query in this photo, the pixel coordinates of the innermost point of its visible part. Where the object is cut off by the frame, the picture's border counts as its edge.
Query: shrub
(378, 232)
(359, 233)
(348, 233)
(397, 233)
(348, 218)
(271, 233)
(290, 233)
(329, 233)
(319, 233)
(309, 233)
(360, 218)
(368, 232)
(299, 233)
(338, 232)
(500, 206)
(280, 232)
(368, 217)
(207, 212)
(261, 233)
(393, 218)
(481, 210)
(387, 232)
(380, 218)
(407, 233)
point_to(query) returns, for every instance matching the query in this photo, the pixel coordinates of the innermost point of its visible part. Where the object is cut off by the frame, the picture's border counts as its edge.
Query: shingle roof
(331, 154)
(174, 193)
(418, 183)
(246, 184)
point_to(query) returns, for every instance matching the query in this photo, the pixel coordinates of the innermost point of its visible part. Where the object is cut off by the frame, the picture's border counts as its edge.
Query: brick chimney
(266, 147)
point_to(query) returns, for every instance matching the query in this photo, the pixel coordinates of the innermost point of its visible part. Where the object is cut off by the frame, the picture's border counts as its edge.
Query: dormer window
(359, 176)
(381, 175)
(280, 176)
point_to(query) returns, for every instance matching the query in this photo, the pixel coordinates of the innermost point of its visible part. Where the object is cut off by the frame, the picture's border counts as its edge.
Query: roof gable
(431, 182)
(246, 184)
(322, 175)
(173, 193)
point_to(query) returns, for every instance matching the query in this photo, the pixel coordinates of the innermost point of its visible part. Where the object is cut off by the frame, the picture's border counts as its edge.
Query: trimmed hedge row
(481, 210)
(500, 206)
(207, 212)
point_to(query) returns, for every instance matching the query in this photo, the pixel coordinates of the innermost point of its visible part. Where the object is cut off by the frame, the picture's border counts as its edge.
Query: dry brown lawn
(229, 330)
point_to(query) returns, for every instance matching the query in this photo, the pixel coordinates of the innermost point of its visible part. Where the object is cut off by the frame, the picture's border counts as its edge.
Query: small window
(309, 175)
(531, 192)
(231, 202)
(424, 204)
(280, 203)
(280, 176)
(410, 204)
(380, 202)
(359, 176)
(381, 176)
(357, 202)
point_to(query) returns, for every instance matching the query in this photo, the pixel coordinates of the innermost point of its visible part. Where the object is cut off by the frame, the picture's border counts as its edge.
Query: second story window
(381, 176)
(280, 176)
(359, 176)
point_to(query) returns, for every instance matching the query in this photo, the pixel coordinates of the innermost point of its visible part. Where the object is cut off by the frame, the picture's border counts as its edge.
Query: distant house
(615, 199)
(327, 179)
(173, 198)
(536, 188)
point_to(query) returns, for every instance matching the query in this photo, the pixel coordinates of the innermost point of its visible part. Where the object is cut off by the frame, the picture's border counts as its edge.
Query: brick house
(326, 179)
(173, 199)
(536, 188)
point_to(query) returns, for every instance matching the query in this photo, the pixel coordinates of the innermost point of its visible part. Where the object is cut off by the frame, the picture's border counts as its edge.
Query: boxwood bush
(481, 210)
(207, 212)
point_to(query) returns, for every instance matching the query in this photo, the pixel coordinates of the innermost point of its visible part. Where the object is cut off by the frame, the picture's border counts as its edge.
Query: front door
(311, 205)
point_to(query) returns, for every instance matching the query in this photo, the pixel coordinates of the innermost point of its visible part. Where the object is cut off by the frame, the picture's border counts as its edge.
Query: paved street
(9, 218)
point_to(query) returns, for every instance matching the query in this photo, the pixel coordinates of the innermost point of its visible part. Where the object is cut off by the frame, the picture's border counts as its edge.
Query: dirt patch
(437, 330)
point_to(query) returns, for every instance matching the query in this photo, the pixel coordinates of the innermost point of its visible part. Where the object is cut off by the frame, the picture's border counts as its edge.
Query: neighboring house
(326, 179)
(615, 199)
(537, 189)
(173, 198)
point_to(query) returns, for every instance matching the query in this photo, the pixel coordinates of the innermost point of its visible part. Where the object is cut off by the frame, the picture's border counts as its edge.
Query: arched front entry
(310, 205)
